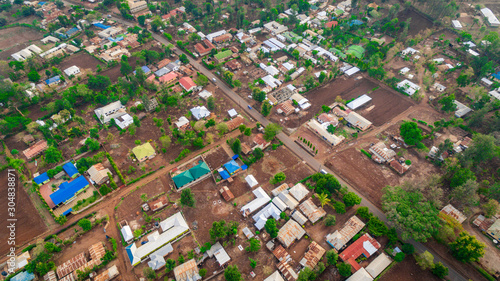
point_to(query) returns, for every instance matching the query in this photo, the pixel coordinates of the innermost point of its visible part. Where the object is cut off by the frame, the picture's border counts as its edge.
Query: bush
(399, 257)
(366, 153)
(364, 212)
(115, 167)
(339, 207)
(408, 248)
(344, 269)
(440, 270)
(329, 220)
(85, 224)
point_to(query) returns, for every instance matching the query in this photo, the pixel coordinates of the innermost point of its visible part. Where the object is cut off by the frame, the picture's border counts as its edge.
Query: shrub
(399, 257)
(366, 153)
(329, 220)
(339, 207)
(408, 248)
(364, 212)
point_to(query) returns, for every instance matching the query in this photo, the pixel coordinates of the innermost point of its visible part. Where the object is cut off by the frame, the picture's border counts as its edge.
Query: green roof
(143, 150)
(199, 170)
(223, 55)
(338, 12)
(182, 179)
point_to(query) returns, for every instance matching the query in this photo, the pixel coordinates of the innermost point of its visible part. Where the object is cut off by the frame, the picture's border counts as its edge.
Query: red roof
(358, 248)
(259, 140)
(201, 49)
(331, 23)
(168, 77)
(163, 63)
(187, 83)
(35, 149)
(172, 13)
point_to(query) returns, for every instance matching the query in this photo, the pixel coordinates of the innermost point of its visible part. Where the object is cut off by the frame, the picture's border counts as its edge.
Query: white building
(490, 17)
(72, 70)
(275, 28)
(261, 199)
(200, 112)
(408, 87)
(456, 24)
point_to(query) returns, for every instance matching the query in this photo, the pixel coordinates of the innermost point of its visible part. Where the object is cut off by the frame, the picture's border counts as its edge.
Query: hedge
(484, 273)
(366, 153)
(116, 168)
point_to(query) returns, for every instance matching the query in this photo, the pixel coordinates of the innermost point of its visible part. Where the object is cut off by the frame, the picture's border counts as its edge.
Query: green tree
(425, 260)
(399, 257)
(257, 153)
(364, 212)
(92, 144)
(236, 146)
(329, 220)
(448, 103)
(322, 77)
(53, 155)
(440, 270)
(169, 265)
(344, 269)
(463, 80)
(85, 224)
(211, 103)
(483, 149)
(258, 95)
(467, 248)
(142, 20)
(232, 273)
(307, 274)
(408, 248)
(125, 68)
(98, 82)
(332, 257)
(33, 76)
(410, 133)
(248, 132)
(184, 59)
(351, 199)
(51, 247)
(271, 227)
(490, 208)
(323, 199)
(136, 121)
(149, 273)
(339, 207)
(187, 197)
(271, 131)
(254, 245)
(278, 178)
(377, 227)
(253, 263)
(266, 108)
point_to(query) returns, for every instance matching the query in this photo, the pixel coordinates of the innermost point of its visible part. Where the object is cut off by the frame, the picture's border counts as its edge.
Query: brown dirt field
(408, 270)
(27, 216)
(114, 72)
(418, 23)
(82, 60)
(22, 36)
(216, 158)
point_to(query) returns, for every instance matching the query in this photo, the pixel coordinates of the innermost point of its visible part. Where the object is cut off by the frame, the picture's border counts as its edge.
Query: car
(109, 16)
(323, 172)
(215, 80)
(249, 107)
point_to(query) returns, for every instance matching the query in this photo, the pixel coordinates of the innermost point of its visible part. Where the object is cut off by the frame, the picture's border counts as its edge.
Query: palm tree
(323, 199)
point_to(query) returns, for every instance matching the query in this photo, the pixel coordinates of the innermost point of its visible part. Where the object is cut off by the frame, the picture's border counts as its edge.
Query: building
(108, 274)
(494, 230)
(187, 271)
(378, 265)
(490, 17)
(173, 13)
(72, 70)
(271, 210)
(360, 275)
(71, 265)
(261, 198)
(36, 149)
(358, 121)
(159, 203)
(222, 38)
(110, 111)
(339, 238)
(235, 123)
(211, 36)
(312, 256)
(462, 109)
(322, 132)
(219, 253)
(401, 168)
(204, 48)
(275, 28)
(144, 152)
(286, 108)
(172, 229)
(50, 276)
(187, 83)
(250, 179)
(359, 102)
(71, 170)
(453, 212)
(127, 234)
(287, 271)
(233, 65)
(288, 200)
(381, 153)
(408, 87)
(311, 211)
(276, 276)
(196, 173)
(168, 78)
(68, 191)
(364, 246)
(331, 24)
(200, 112)
(456, 24)
(137, 5)
(182, 123)
(282, 188)
(109, 32)
(290, 232)
(42, 179)
(329, 119)
(226, 193)
(223, 56)
(299, 191)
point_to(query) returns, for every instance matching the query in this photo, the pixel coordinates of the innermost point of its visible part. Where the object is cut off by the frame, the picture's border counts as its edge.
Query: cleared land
(82, 60)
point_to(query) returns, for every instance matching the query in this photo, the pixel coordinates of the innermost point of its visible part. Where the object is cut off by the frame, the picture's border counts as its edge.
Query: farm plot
(21, 36)
(82, 60)
(114, 72)
(418, 22)
(408, 270)
(27, 216)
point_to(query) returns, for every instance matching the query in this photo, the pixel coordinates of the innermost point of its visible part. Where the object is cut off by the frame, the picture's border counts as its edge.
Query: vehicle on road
(323, 172)
(215, 80)
(249, 107)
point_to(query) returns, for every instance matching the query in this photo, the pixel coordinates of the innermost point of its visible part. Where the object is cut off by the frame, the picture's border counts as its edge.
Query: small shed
(250, 179)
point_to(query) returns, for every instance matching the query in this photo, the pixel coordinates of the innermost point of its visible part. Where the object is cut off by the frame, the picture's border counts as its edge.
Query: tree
(271, 227)
(237, 83)
(53, 155)
(425, 260)
(14, 151)
(232, 273)
(490, 208)
(98, 82)
(307, 274)
(258, 95)
(323, 199)
(448, 103)
(92, 144)
(85, 224)
(254, 245)
(339, 207)
(411, 212)
(483, 149)
(142, 20)
(222, 128)
(344, 269)
(332, 257)
(51, 247)
(351, 199)
(180, 259)
(460, 176)
(149, 273)
(184, 59)
(169, 265)
(467, 248)
(410, 133)
(466, 194)
(125, 68)
(408, 248)
(271, 131)
(136, 121)
(329, 220)
(278, 178)
(33, 76)
(211, 103)
(377, 227)
(440, 270)
(399, 257)
(236, 146)
(202, 80)
(257, 153)
(266, 108)
(364, 212)
(248, 132)
(463, 80)
(187, 197)
(322, 77)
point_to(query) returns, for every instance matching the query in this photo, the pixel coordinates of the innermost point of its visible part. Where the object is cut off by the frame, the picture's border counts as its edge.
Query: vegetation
(272, 228)
(187, 198)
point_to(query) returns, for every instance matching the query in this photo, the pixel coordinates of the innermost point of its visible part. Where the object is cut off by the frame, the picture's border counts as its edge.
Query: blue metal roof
(224, 174)
(355, 22)
(70, 169)
(244, 167)
(235, 157)
(232, 166)
(68, 211)
(41, 3)
(118, 39)
(145, 69)
(42, 178)
(53, 80)
(129, 253)
(496, 75)
(100, 25)
(68, 189)
(71, 31)
(23, 276)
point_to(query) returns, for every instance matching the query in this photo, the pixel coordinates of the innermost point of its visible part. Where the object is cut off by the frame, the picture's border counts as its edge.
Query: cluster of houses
(381, 154)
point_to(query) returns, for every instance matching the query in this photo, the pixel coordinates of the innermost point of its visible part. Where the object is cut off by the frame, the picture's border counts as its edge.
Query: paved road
(301, 153)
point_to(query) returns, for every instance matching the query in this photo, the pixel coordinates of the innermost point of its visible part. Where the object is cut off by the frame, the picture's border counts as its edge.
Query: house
(283, 187)
(494, 230)
(197, 172)
(271, 210)
(50, 276)
(72, 70)
(260, 142)
(275, 28)
(409, 50)
(137, 5)
(331, 24)
(299, 191)
(286, 108)
(378, 265)
(261, 199)
(233, 65)
(453, 212)
(222, 38)
(169, 78)
(71, 170)
(159, 203)
(144, 152)
(408, 87)
(187, 83)
(71, 265)
(462, 109)
(248, 233)
(329, 119)
(182, 123)
(339, 238)
(28, 140)
(281, 254)
(311, 211)
(205, 94)
(53, 80)
(200, 112)
(364, 246)
(23, 276)
(313, 255)
(322, 132)
(219, 253)
(223, 56)
(358, 121)
(42, 179)
(174, 12)
(290, 232)
(276, 276)
(110, 111)
(299, 217)
(359, 102)
(36, 149)
(211, 36)
(232, 167)
(108, 274)
(490, 17)
(360, 275)
(401, 168)
(127, 234)
(456, 24)
(250, 179)
(235, 123)
(232, 113)
(381, 153)
(289, 201)
(287, 271)
(172, 228)
(68, 191)
(226, 193)
(187, 271)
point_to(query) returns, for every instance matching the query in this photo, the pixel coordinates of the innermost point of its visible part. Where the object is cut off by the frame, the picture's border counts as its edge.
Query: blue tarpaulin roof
(70, 169)
(71, 31)
(41, 178)
(355, 22)
(244, 167)
(53, 80)
(496, 75)
(224, 174)
(118, 39)
(41, 3)
(23, 276)
(235, 157)
(68, 211)
(68, 189)
(145, 69)
(232, 166)
(100, 25)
